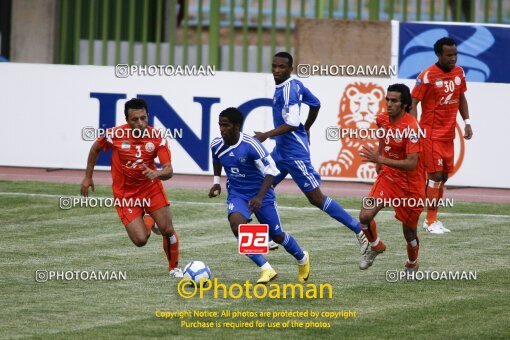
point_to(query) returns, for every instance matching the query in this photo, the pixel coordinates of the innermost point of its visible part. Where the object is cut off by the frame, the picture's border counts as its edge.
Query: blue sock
(335, 210)
(292, 247)
(258, 259)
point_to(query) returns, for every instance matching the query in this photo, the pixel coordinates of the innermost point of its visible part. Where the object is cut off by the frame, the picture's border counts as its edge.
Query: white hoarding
(46, 107)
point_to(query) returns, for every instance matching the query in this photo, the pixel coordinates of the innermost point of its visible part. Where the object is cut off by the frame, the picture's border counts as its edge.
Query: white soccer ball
(197, 271)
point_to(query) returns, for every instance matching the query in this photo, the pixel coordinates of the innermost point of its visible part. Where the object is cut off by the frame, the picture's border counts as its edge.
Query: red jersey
(439, 93)
(130, 154)
(402, 138)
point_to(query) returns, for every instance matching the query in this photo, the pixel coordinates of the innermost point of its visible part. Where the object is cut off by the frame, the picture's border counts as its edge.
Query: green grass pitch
(36, 234)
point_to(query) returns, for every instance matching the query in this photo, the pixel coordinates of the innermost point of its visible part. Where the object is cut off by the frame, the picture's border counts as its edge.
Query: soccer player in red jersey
(440, 89)
(136, 179)
(401, 177)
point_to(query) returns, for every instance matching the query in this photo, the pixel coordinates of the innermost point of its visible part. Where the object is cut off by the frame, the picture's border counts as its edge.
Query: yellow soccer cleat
(304, 269)
(267, 275)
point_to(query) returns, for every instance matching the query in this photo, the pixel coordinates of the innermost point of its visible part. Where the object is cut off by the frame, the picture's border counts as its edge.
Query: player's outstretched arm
(312, 116)
(378, 166)
(372, 155)
(280, 130)
(87, 182)
(216, 188)
(164, 174)
(464, 112)
(167, 172)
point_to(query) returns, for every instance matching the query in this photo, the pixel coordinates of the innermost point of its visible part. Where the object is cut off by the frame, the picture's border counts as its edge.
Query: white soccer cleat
(443, 228)
(176, 272)
(363, 242)
(368, 258)
(272, 245)
(425, 225)
(434, 228)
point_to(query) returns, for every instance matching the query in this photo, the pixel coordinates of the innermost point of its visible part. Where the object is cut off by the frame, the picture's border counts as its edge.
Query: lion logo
(359, 106)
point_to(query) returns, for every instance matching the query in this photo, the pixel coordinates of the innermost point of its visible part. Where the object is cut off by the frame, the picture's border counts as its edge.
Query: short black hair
(135, 103)
(405, 95)
(233, 115)
(285, 55)
(438, 46)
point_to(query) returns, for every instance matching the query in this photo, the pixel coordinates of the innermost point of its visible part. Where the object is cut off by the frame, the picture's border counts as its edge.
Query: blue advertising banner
(483, 51)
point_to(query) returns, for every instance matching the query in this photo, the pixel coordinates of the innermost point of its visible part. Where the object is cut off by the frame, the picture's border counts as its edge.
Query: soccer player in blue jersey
(291, 153)
(250, 173)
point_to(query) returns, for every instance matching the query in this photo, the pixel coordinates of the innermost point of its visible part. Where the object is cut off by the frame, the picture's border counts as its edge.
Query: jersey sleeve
(214, 145)
(164, 154)
(262, 159)
(463, 85)
(422, 86)
(291, 103)
(105, 142)
(308, 98)
(379, 120)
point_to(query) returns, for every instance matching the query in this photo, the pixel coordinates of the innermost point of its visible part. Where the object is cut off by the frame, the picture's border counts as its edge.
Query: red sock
(433, 190)
(412, 252)
(370, 231)
(171, 250)
(441, 190)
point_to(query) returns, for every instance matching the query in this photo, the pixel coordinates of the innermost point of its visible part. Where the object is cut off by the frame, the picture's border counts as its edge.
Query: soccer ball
(197, 271)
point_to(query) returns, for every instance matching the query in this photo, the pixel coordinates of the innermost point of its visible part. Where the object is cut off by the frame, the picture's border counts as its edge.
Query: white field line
(224, 204)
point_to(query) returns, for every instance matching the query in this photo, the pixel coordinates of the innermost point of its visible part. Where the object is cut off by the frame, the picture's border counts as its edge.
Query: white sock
(411, 262)
(173, 239)
(413, 243)
(303, 260)
(266, 266)
(376, 242)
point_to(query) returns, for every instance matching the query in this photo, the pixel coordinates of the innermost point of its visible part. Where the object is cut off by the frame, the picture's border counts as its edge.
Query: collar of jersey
(285, 82)
(236, 144)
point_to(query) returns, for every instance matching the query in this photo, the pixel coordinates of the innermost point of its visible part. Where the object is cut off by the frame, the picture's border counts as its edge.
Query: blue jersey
(246, 165)
(287, 100)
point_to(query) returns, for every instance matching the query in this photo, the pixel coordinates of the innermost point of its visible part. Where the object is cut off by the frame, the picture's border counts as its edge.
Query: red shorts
(438, 155)
(146, 201)
(386, 189)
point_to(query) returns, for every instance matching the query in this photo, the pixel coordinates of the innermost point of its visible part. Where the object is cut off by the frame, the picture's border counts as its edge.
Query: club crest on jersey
(149, 147)
(439, 83)
(457, 80)
(125, 146)
(242, 159)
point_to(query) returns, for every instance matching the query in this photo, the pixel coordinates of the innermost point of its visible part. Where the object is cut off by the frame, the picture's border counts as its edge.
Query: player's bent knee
(166, 229)
(410, 233)
(436, 176)
(315, 202)
(234, 227)
(278, 238)
(365, 216)
(139, 242)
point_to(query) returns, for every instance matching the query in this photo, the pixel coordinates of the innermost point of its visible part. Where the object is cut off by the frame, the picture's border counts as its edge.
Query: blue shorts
(302, 172)
(267, 214)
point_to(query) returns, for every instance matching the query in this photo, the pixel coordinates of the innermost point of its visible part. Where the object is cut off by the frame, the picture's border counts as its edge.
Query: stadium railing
(109, 32)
